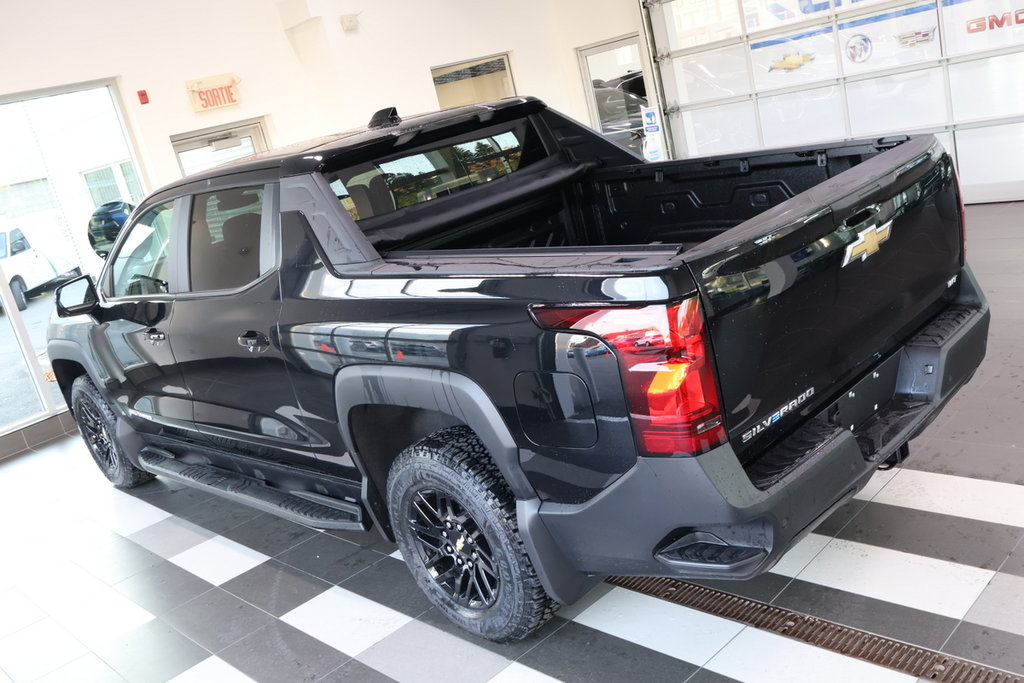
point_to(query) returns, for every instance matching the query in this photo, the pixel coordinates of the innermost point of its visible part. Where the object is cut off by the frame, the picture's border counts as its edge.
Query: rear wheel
(20, 298)
(97, 422)
(454, 520)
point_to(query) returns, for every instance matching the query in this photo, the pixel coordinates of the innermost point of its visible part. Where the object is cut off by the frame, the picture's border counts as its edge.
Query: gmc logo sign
(993, 22)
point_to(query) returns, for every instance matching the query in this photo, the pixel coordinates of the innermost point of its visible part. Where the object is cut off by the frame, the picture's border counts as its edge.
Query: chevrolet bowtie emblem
(867, 243)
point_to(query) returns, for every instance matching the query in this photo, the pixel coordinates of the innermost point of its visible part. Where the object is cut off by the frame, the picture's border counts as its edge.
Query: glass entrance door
(617, 90)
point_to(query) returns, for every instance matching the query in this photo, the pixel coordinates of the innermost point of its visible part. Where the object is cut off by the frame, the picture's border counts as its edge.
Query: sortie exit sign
(213, 92)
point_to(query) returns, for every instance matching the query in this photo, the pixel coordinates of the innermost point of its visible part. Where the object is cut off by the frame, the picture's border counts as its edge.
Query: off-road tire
(98, 425)
(20, 295)
(453, 463)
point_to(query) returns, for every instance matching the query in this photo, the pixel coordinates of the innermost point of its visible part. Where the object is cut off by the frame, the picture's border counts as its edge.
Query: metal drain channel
(910, 659)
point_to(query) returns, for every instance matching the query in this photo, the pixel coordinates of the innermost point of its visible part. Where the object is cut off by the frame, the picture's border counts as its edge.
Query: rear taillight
(666, 369)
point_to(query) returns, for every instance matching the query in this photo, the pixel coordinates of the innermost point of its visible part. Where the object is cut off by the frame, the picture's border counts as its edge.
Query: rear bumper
(705, 517)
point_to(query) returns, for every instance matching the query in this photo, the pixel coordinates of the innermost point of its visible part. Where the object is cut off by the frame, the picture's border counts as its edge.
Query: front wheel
(97, 422)
(455, 523)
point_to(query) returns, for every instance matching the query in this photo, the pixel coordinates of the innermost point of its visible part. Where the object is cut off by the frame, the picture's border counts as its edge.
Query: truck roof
(357, 144)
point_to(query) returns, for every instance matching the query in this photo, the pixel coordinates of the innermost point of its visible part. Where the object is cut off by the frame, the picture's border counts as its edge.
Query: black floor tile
(513, 651)
(708, 676)
(579, 653)
(269, 534)
(162, 588)
(988, 646)
(279, 652)
(217, 619)
(276, 587)
(876, 616)
(218, 514)
(962, 459)
(944, 537)
(762, 588)
(365, 539)
(152, 652)
(171, 496)
(329, 558)
(355, 672)
(831, 525)
(389, 583)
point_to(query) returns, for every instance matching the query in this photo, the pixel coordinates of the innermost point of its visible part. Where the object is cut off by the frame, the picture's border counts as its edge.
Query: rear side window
(225, 239)
(140, 267)
(382, 186)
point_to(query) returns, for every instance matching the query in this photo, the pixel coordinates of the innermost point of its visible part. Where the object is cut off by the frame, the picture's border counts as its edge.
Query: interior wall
(297, 66)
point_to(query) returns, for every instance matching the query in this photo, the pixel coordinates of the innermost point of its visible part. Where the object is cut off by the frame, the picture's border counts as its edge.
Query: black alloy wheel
(96, 436)
(454, 519)
(454, 550)
(98, 424)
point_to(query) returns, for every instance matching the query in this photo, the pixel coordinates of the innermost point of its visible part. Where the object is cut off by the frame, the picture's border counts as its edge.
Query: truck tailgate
(805, 297)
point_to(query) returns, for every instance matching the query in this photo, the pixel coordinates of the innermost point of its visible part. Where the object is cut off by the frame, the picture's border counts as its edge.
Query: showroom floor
(168, 583)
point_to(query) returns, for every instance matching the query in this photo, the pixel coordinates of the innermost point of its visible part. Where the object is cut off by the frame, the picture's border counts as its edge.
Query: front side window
(140, 267)
(225, 239)
(380, 187)
(18, 242)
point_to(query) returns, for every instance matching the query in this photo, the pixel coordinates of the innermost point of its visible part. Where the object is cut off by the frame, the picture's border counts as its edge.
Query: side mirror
(76, 297)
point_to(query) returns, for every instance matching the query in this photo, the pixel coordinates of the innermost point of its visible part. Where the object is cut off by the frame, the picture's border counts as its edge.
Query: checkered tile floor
(166, 583)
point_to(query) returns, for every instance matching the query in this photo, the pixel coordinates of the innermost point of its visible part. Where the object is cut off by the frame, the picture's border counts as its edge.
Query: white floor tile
(37, 650)
(397, 555)
(915, 581)
(17, 612)
(219, 559)
(89, 609)
(171, 536)
(800, 555)
(210, 670)
(757, 655)
(660, 625)
(346, 621)
(988, 501)
(123, 513)
(517, 673)
(877, 482)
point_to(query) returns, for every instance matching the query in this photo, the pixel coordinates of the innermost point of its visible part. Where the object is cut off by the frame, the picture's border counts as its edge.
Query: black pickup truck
(525, 355)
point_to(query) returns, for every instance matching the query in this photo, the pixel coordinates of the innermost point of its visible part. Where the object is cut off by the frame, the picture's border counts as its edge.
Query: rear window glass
(382, 186)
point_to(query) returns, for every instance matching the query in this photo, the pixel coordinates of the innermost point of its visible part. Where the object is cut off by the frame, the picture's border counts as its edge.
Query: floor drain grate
(910, 659)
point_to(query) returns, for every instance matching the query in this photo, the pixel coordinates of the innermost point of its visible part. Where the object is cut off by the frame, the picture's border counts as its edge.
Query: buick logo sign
(858, 48)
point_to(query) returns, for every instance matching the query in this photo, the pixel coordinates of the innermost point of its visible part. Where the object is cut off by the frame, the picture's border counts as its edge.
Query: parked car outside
(30, 271)
(104, 224)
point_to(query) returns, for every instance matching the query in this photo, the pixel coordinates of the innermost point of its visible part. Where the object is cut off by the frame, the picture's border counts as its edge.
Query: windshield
(379, 187)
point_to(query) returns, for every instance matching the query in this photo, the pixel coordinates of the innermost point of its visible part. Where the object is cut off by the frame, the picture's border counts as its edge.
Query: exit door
(203, 149)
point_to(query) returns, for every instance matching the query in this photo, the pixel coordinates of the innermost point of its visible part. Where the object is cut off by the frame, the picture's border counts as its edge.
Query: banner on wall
(890, 39)
(974, 25)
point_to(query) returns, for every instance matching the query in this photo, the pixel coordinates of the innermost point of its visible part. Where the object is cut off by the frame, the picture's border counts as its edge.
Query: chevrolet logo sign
(867, 243)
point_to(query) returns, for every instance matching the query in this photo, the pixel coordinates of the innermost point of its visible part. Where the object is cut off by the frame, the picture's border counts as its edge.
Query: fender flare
(432, 389)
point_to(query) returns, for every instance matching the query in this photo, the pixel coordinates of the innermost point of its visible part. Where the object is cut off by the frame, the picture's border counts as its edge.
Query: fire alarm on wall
(143, 97)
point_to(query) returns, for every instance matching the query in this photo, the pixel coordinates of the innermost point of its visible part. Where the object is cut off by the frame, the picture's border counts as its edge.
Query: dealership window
(55, 170)
(478, 80)
(117, 182)
(747, 74)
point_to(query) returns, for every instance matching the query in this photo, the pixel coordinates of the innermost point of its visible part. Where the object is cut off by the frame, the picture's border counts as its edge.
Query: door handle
(253, 341)
(155, 336)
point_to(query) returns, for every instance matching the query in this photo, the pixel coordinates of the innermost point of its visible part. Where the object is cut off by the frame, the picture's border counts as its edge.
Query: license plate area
(868, 396)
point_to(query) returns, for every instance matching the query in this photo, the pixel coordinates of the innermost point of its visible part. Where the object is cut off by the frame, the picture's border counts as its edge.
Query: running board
(303, 507)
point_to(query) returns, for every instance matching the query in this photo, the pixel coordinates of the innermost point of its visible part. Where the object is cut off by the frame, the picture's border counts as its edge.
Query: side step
(303, 507)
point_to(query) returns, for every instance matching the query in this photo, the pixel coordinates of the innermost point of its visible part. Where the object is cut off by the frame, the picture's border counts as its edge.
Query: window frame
(106, 279)
(270, 241)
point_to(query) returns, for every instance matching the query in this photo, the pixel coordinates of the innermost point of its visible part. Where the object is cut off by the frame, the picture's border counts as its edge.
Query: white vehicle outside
(28, 267)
